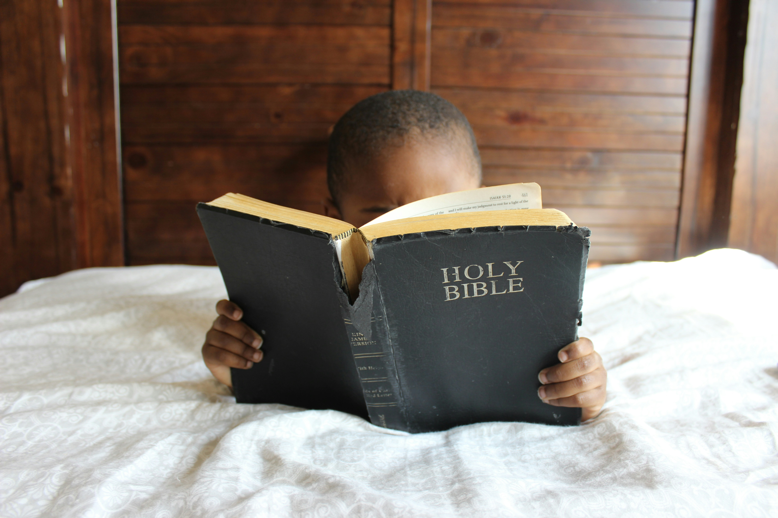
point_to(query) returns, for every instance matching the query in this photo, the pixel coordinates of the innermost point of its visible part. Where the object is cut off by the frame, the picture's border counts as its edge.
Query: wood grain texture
(564, 138)
(281, 174)
(484, 75)
(714, 91)
(254, 54)
(581, 160)
(588, 97)
(411, 24)
(754, 223)
(36, 222)
(562, 43)
(93, 154)
(229, 113)
(267, 12)
(667, 9)
(550, 20)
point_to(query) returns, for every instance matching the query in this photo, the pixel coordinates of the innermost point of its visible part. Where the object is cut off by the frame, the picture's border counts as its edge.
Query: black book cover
(287, 281)
(450, 327)
(470, 317)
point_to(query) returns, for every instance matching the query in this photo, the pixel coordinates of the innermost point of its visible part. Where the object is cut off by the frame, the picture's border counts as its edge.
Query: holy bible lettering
(473, 272)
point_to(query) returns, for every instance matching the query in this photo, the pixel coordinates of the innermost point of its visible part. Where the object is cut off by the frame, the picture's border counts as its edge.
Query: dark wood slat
(609, 216)
(478, 60)
(204, 113)
(284, 95)
(273, 12)
(554, 196)
(584, 178)
(36, 225)
(562, 138)
(608, 253)
(253, 54)
(519, 79)
(141, 56)
(583, 160)
(411, 44)
(754, 225)
(276, 174)
(263, 113)
(259, 34)
(166, 232)
(636, 8)
(657, 235)
(478, 99)
(502, 118)
(93, 132)
(249, 73)
(451, 15)
(507, 39)
(226, 133)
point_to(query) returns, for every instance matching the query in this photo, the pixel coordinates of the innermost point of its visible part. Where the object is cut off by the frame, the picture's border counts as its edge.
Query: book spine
(373, 356)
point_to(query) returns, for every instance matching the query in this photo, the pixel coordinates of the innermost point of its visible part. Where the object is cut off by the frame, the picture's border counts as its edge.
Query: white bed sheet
(106, 409)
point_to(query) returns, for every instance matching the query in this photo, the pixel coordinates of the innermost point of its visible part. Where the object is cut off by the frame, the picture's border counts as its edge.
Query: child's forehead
(416, 168)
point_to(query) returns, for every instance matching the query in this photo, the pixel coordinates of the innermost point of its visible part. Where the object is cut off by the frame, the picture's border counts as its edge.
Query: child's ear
(331, 210)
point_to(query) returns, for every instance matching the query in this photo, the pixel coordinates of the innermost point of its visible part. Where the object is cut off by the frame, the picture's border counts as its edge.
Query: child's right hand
(230, 343)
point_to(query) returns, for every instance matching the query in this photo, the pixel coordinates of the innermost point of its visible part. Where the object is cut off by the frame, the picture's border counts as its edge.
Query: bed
(106, 409)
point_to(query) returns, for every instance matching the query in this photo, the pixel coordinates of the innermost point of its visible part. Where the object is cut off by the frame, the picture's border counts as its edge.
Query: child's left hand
(578, 381)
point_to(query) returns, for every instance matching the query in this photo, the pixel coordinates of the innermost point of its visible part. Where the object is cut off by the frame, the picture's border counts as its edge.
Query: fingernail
(542, 393)
(562, 356)
(542, 377)
(257, 356)
(236, 315)
(257, 343)
(249, 364)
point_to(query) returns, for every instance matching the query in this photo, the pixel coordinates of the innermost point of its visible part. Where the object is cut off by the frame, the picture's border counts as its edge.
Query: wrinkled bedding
(106, 409)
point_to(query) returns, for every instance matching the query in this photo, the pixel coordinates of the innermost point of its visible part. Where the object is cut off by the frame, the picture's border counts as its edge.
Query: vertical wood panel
(35, 189)
(89, 30)
(754, 224)
(714, 96)
(411, 29)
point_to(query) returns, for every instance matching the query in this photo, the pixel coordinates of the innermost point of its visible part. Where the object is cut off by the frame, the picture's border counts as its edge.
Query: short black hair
(389, 118)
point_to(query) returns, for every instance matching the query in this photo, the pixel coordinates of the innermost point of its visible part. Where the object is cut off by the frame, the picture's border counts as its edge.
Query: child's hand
(579, 381)
(230, 343)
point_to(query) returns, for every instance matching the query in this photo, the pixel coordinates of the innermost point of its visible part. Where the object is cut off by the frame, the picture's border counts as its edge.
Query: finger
(231, 344)
(577, 349)
(238, 330)
(571, 370)
(591, 399)
(588, 381)
(229, 309)
(215, 357)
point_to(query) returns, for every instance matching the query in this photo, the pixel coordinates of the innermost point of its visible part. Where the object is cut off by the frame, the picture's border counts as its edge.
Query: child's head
(397, 147)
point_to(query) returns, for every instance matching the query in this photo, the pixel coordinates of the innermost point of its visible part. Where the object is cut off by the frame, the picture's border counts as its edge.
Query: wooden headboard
(607, 104)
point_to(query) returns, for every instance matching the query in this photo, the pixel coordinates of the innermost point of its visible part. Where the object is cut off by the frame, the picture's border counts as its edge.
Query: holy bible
(439, 314)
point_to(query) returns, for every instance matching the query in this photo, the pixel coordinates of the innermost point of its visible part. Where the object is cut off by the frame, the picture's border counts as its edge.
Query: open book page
(501, 197)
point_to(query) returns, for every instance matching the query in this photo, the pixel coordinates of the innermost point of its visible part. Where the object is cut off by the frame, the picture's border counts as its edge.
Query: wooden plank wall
(221, 96)
(36, 189)
(588, 98)
(754, 224)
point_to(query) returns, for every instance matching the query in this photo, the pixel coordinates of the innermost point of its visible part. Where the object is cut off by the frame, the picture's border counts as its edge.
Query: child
(388, 150)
